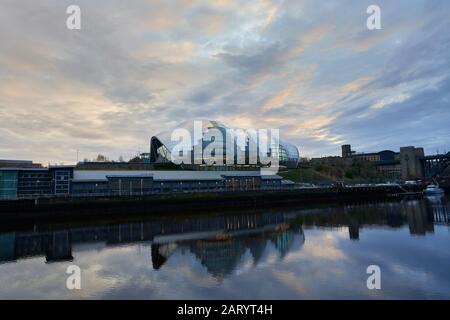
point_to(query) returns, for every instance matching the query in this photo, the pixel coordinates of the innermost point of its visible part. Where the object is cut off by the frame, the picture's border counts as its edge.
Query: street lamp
(37, 186)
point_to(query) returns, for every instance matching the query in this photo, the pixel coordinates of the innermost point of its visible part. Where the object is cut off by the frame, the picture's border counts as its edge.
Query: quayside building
(157, 173)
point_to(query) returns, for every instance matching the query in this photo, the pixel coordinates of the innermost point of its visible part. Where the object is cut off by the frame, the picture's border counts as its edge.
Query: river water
(320, 252)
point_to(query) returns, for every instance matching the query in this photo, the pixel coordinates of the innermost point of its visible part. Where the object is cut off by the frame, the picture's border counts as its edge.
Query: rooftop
(16, 161)
(175, 175)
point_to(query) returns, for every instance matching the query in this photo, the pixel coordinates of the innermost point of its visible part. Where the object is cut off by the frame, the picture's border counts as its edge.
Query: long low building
(136, 182)
(68, 181)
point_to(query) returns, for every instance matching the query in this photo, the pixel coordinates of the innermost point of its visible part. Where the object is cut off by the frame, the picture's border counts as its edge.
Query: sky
(311, 69)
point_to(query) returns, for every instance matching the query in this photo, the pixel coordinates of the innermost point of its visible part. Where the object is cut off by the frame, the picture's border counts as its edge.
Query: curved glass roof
(289, 154)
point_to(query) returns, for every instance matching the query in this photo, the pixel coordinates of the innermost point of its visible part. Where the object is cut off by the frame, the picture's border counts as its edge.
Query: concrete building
(387, 161)
(346, 151)
(385, 155)
(407, 164)
(411, 164)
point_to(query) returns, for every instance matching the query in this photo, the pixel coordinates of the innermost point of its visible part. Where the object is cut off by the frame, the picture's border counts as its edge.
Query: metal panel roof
(16, 161)
(174, 175)
(23, 169)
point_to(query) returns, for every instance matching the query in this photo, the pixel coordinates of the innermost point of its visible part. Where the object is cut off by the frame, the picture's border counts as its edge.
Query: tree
(349, 174)
(135, 160)
(101, 158)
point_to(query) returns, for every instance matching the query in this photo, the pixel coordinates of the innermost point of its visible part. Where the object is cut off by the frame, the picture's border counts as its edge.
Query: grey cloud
(228, 74)
(253, 63)
(422, 119)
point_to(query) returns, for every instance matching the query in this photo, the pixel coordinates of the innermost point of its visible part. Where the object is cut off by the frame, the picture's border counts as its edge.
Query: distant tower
(410, 162)
(346, 151)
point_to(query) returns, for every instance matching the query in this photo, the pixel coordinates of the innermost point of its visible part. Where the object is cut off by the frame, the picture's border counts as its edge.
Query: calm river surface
(285, 253)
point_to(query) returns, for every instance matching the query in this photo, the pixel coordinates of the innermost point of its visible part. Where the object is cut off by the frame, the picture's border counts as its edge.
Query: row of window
(35, 175)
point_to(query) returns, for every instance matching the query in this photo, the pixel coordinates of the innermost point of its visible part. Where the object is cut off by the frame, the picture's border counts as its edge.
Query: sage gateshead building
(210, 145)
(231, 165)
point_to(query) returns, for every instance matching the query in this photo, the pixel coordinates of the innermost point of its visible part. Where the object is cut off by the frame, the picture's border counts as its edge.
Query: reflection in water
(219, 242)
(440, 209)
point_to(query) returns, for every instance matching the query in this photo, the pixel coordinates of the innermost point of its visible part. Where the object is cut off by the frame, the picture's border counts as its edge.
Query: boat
(436, 199)
(433, 189)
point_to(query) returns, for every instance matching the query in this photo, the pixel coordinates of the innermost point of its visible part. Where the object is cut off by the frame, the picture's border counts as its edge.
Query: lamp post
(37, 186)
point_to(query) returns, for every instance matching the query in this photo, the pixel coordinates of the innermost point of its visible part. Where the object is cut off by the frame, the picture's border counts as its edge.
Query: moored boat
(433, 189)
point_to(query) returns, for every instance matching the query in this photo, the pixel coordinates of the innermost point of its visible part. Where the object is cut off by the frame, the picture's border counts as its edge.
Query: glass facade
(243, 143)
(61, 182)
(34, 183)
(124, 185)
(8, 184)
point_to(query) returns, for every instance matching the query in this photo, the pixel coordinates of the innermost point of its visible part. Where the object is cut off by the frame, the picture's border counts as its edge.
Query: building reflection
(55, 246)
(419, 215)
(160, 253)
(353, 230)
(440, 209)
(221, 242)
(222, 256)
(420, 220)
(219, 257)
(218, 242)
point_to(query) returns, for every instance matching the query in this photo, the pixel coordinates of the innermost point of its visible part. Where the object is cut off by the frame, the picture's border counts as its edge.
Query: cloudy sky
(136, 67)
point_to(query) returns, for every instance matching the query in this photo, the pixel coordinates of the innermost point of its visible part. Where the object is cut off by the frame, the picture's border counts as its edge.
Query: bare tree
(101, 158)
